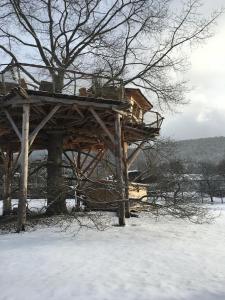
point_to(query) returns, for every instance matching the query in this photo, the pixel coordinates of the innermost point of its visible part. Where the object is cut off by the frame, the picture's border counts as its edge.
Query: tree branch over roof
(138, 40)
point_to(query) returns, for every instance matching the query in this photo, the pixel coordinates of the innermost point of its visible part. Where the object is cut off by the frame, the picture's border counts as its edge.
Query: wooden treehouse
(88, 114)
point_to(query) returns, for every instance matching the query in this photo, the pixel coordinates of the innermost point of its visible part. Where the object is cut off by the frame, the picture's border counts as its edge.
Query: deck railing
(153, 119)
(58, 80)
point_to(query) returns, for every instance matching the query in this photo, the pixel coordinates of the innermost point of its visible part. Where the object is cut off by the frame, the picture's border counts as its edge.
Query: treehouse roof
(139, 97)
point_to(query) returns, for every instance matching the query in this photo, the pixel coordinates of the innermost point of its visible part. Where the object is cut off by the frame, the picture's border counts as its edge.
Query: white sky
(204, 116)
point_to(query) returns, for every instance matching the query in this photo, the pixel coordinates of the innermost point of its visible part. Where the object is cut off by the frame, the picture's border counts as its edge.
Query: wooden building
(94, 119)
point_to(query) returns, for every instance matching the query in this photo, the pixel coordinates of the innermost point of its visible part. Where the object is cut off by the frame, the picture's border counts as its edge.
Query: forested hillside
(205, 149)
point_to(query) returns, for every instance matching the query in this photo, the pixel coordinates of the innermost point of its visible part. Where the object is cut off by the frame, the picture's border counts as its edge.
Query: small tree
(208, 170)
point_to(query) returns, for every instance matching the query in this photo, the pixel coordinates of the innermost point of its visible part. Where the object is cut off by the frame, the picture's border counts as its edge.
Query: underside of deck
(85, 122)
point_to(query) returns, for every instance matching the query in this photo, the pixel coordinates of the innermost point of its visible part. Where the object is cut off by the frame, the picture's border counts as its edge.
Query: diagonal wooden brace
(42, 124)
(102, 124)
(13, 124)
(134, 154)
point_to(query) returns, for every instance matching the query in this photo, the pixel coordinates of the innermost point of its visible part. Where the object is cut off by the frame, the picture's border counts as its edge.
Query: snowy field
(146, 260)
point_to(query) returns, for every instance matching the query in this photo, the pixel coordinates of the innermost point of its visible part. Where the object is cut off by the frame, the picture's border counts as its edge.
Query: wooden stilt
(119, 169)
(78, 204)
(7, 182)
(126, 180)
(24, 169)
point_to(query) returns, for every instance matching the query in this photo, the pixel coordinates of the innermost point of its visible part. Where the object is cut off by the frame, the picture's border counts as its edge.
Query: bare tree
(171, 191)
(137, 40)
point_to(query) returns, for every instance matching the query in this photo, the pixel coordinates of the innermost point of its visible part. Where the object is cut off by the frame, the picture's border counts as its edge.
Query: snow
(36, 205)
(146, 260)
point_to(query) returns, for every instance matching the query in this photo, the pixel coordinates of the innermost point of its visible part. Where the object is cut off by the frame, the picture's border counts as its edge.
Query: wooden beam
(13, 124)
(78, 110)
(109, 145)
(135, 154)
(7, 181)
(42, 124)
(39, 110)
(122, 113)
(92, 162)
(24, 169)
(15, 163)
(119, 170)
(102, 124)
(85, 158)
(39, 100)
(126, 177)
(96, 163)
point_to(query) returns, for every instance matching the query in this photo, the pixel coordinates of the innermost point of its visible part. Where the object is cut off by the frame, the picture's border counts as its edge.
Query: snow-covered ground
(36, 205)
(146, 260)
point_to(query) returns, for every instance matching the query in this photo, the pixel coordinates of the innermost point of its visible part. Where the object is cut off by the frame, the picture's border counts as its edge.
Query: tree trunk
(7, 184)
(58, 82)
(55, 181)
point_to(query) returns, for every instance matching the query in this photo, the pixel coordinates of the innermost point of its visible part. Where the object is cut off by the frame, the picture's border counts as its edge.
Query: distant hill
(204, 149)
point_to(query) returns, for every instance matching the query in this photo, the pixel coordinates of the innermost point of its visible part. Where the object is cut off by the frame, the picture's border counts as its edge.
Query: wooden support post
(119, 169)
(24, 169)
(7, 182)
(78, 204)
(126, 180)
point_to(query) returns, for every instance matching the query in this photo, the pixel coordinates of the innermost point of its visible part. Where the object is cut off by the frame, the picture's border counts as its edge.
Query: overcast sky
(204, 116)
